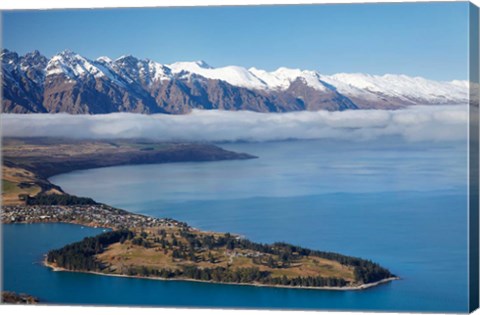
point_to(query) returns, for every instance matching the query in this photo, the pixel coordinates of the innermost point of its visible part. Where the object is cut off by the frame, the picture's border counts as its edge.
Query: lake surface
(403, 205)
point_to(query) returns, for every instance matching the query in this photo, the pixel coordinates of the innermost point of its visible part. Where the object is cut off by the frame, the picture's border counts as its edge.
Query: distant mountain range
(70, 83)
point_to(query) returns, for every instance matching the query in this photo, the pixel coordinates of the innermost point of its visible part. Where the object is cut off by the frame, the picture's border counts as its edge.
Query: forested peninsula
(181, 252)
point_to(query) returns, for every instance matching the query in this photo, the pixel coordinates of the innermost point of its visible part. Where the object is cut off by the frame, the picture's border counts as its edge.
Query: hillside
(28, 162)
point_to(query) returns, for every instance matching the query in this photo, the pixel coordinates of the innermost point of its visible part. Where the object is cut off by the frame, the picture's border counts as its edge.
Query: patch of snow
(234, 75)
(282, 78)
(72, 65)
(158, 72)
(399, 86)
(104, 59)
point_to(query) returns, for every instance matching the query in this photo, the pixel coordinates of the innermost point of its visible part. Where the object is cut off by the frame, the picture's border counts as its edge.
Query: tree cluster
(365, 271)
(81, 255)
(239, 275)
(57, 200)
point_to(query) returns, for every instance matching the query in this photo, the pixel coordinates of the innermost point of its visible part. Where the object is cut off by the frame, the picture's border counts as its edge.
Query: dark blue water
(402, 205)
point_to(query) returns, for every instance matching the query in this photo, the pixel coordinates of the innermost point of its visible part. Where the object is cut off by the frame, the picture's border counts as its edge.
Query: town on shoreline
(96, 215)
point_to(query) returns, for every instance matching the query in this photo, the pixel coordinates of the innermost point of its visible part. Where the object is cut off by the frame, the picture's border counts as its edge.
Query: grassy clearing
(8, 186)
(15, 182)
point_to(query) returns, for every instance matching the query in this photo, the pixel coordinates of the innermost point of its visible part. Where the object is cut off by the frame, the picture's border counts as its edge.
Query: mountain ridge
(71, 83)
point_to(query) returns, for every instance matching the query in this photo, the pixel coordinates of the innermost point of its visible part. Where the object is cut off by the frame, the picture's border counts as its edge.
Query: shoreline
(100, 227)
(344, 288)
(120, 152)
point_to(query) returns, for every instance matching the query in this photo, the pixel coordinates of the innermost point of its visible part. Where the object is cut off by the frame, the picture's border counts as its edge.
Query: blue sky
(425, 39)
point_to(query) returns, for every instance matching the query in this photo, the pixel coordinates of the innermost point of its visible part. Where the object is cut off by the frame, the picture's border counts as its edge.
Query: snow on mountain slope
(402, 87)
(234, 75)
(144, 71)
(31, 66)
(281, 78)
(72, 65)
(159, 72)
(252, 78)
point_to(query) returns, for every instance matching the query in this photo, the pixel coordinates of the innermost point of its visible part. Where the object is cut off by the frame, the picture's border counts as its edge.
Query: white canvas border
(71, 4)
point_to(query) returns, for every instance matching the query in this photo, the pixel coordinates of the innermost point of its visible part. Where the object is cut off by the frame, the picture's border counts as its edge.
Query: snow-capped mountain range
(69, 82)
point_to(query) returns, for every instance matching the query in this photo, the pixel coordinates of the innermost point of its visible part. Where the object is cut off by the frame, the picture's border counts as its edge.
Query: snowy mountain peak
(104, 59)
(34, 54)
(203, 64)
(8, 56)
(283, 77)
(237, 76)
(127, 60)
(72, 65)
(68, 55)
(189, 66)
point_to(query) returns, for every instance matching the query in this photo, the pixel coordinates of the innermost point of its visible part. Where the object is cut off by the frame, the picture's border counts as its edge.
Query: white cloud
(417, 123)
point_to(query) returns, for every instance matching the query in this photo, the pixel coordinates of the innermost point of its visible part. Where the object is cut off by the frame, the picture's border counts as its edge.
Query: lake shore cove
(147, 247)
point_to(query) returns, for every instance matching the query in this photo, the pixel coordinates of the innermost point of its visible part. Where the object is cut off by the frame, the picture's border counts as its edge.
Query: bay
(400, 204)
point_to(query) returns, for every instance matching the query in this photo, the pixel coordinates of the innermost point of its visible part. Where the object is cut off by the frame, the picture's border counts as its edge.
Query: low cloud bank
(417, 123)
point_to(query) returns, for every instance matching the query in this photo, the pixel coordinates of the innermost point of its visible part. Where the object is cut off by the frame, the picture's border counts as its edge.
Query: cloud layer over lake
(418, 123)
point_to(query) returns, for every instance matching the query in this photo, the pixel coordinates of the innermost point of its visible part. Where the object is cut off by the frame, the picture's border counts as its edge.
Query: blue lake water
(401, 204)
